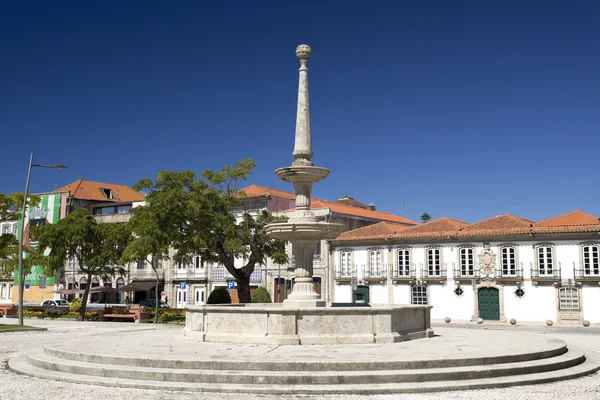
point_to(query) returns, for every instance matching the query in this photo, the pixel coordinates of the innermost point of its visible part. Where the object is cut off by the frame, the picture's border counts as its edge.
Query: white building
(497, 269)
(7, 227)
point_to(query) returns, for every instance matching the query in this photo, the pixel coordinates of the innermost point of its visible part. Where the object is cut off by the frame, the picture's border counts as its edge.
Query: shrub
(219, 295)
(75, 305)
(261, 295)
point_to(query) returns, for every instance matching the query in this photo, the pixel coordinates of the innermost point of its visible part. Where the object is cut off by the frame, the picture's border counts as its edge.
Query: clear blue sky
(460, 109)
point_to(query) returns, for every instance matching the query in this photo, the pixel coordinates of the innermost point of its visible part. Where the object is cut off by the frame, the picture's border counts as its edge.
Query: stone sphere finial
(303, 52)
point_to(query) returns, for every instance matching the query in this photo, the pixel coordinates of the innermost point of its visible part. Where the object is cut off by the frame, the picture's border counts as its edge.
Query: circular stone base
(163, 359)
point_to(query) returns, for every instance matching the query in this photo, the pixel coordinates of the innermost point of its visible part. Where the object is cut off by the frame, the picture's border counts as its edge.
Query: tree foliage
(10, 206)
(219, 295)
(195, 216)
(261, 295)
(96, 247)
(425, 217)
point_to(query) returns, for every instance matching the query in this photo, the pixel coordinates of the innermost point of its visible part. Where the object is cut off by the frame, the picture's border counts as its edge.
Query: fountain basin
(300, 231)
(278, 325)
(302, 174)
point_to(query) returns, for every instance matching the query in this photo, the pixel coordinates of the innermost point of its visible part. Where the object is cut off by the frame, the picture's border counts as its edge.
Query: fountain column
(302, 228)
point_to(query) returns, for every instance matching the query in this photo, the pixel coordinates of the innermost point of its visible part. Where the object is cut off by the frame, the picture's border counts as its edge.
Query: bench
(7, 311)
(125, 312)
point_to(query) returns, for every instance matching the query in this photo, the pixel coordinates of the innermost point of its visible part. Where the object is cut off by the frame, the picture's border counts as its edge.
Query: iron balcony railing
(344, 272)
(510, 272)
(404, 272)
(590, 272)
(145, 273)
(189, 273)
(465, 271)
(374, 271)
(549, 272)
(434, 271)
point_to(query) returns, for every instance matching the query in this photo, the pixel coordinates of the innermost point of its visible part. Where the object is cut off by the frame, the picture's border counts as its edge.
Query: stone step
(552, 348)
(20, 364)
(292, 377)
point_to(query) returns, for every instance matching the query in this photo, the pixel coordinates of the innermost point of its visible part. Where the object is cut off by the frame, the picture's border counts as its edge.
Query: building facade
(498, 269)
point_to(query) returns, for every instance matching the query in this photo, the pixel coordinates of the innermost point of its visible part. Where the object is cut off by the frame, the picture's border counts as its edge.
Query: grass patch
(14, 328)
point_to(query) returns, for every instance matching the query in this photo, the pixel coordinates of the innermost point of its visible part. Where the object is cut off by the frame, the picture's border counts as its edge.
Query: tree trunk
(86, 293)
(243, 282)
(156, 299)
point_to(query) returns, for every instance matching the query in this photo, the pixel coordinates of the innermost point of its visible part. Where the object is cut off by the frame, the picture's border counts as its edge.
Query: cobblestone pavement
(19, 387)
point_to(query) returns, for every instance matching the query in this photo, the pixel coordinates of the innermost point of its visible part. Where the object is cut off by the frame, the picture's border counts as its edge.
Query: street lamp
(21, 276)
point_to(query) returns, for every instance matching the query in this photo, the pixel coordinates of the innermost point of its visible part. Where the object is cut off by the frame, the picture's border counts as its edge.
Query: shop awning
(138, 286)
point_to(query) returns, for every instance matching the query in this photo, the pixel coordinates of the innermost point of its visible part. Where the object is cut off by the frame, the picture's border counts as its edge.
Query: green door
(489, 303)
(361, 295)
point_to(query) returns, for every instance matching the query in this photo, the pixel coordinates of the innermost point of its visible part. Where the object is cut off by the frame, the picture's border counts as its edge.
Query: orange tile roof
(570, 219)
(88, 190)
(360, 212)
(574, 222)
(381, 229)
(256, 190)
(505, 221)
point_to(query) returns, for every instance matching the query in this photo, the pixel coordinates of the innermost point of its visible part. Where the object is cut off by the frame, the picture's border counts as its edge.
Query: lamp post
(21, 275)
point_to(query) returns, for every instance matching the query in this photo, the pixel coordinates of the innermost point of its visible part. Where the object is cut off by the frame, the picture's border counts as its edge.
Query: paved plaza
(14, 386)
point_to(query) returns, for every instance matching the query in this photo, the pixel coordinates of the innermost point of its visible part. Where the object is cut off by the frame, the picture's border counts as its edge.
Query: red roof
(256, 190)
(382, 229)
(98, 191)
(574, 222)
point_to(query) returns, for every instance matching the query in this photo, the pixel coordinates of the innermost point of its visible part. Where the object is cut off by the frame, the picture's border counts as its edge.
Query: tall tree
(196, 217)
(10, 206)
(97, 247)
(425, 217)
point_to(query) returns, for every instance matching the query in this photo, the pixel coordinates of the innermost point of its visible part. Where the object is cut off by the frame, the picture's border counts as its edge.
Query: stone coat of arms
(487, 263)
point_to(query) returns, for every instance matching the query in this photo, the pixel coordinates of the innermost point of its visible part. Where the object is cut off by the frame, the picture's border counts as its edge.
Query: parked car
(151, 303)
(56, 303)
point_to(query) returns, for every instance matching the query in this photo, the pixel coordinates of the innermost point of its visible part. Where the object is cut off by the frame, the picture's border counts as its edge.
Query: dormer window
(109, 194)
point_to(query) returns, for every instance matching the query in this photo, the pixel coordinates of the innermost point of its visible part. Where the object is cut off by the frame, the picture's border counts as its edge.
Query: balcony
(507, 273)
(221, 274)
(344, 273)
(407, 273)
(586, 273)
(145, 273)
(190, 273)
(433, 274)
(465, 273)
(374, 273)
(550, 274)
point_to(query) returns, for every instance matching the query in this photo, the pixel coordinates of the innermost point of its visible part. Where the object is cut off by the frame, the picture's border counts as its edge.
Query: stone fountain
(303, 318)
(302, 229)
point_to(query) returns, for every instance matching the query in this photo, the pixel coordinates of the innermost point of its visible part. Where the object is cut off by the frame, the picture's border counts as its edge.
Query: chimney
(371, 206)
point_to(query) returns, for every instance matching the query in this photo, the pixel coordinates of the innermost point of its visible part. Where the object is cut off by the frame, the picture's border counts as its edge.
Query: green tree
(261, 295)
(425, 217)
(96, 247)
(10, 206)
(196, 217)
(219, 295)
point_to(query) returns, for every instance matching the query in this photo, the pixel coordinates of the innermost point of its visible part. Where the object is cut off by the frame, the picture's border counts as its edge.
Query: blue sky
(460, 109)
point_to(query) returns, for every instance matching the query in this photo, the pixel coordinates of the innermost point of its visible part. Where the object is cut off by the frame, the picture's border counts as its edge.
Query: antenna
(404, 208)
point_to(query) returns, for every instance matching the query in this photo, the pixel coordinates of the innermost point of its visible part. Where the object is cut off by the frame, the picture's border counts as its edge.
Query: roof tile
(88, 190)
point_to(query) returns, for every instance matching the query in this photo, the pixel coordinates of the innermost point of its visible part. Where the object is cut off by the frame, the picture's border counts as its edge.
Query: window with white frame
(157, 262)
(591, 261)
(375, 262)
(434, 262)
(508, 260)
(568, 298)
(197, 262)
(141, 263)
(10, 288)
(403, 262)
(466, 261)
(5, 229)
(15, 228)
(346, 263)
(4, 291)
(419, 294)
(545, 259)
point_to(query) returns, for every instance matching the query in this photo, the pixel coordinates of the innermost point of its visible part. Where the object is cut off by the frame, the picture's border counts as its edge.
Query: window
(198, 296)
(197, 262)
(466, 261)
(434, 264)
(508, 260)
(10, 287)
(317, 250)
(568, 298)
(157, 262)
(459, 291)
(15, 228)
(403, 262)
(346, 263)
(141, 263)
(519, 292)
(591, 264)
(545, 260)
(419, 294)
(5, 229)
(3, 292)
(375, 262)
